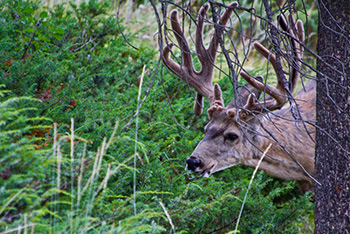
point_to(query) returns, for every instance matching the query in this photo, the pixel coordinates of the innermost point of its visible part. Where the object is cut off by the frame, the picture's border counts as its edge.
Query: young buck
(240, 132)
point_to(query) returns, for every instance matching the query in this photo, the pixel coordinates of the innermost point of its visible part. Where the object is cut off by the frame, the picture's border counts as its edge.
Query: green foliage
(22, 162)
(71, 62)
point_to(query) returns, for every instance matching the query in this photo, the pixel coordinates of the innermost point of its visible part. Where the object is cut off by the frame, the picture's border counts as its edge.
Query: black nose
(192, 163)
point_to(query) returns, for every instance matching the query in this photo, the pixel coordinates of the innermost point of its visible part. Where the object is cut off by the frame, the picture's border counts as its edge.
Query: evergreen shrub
(70, 83)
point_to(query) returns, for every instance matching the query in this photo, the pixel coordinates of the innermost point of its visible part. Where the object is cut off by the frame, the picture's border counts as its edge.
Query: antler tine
(207, 56)
(219, 103)
(181, 39)
(186, 71)
(278, 93)
(296, 32)
(198, 103)
(298, 50)
(200, 49)
(223, 21)
(169, 62)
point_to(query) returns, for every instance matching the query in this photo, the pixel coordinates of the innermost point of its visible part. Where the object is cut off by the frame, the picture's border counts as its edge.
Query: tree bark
(332, 198)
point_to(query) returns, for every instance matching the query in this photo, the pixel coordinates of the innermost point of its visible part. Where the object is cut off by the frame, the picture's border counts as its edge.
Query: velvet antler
(201, 80)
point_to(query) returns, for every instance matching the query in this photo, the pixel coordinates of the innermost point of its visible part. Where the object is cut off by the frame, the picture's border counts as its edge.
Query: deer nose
(192, 163)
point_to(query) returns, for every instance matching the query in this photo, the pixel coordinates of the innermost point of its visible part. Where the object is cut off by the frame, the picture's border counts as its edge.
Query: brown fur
(296, 138)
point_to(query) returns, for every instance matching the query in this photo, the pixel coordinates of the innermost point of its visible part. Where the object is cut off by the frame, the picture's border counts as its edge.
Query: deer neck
(277, 159)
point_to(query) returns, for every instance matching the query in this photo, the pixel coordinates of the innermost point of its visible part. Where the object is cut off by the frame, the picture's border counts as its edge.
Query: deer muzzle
(193, 163)
(199, 166)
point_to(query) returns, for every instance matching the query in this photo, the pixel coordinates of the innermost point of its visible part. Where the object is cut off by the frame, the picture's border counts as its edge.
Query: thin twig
(32, 38)
(85, 44)
(121, 32)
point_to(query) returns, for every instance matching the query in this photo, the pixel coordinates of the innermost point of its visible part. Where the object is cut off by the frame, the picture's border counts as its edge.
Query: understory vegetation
(76, 158)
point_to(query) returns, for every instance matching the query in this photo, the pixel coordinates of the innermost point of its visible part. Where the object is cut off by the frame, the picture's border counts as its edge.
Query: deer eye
(231, 136)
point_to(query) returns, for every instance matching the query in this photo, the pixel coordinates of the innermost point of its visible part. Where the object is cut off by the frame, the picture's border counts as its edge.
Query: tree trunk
(332, 200)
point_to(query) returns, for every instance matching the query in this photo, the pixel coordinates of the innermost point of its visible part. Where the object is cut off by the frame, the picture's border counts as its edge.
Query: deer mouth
(207, 172)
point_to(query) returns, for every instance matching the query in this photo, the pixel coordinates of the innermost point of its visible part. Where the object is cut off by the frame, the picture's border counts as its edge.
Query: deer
(241, 131)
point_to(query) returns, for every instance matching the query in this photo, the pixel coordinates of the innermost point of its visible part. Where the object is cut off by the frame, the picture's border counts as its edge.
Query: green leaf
(31, 19)
(29, 30)
(57, 36)
(43, 15)
(41, 37)
(59, 31)
(28, 10)
(36, 44)
(46, 24)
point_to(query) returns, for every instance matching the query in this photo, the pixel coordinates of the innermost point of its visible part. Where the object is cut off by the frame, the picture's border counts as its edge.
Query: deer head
(239, 132)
